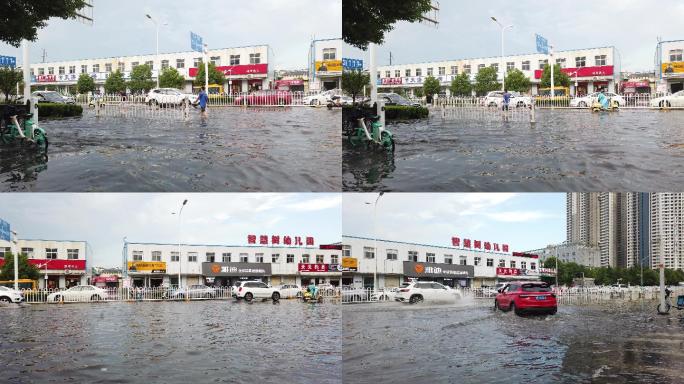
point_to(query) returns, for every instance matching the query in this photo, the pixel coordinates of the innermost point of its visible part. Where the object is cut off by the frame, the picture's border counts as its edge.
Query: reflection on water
(278, 149)
(618, 342)
(211, 341)
(568, 150)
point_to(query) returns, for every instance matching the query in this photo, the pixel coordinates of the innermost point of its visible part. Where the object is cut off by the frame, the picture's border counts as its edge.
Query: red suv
(526, 296)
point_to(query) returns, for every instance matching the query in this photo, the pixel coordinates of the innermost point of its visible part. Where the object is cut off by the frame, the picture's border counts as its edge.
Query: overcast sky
(104, 219)
(524, 221)
(466, 30)
(121, 29)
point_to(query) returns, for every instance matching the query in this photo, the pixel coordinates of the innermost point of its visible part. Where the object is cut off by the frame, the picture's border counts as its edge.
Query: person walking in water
(203, 99)
(506, 100)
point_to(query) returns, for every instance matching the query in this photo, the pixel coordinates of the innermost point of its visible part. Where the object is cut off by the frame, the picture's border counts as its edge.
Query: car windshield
(536, 288)
(52, 96)
(680, 93)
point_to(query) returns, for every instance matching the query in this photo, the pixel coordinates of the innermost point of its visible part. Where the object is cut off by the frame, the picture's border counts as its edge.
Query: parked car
(386, 294)
(495, 99)
(10, 295)
(250, 290)
(395, 99)
(526, 296)
(196, 291)
(288, 291)
(419, 291)
(673, 100)
(52, 97)
(168, 96)
(79, 293)
(322, 98)
(588, 100)
(265, 98)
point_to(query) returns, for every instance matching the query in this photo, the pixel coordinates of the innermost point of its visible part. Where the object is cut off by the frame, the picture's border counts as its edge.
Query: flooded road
(172, 342)
(619, 342)
(567, 150)
(278, 149)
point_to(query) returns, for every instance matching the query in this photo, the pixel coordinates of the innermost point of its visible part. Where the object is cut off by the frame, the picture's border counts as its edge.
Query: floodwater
(172, 342)
(616, 342)
(233, 150)
(567, 150)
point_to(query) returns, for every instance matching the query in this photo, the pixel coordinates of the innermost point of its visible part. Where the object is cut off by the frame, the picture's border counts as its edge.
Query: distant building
(669, 65)
(575, 253)
(325, 64)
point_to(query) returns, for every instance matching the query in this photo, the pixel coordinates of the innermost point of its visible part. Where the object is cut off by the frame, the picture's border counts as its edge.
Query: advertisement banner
(329, 66)
(46, 78)
(350, 264)
(413, 269)
(673, 69)
(5, 232)
(334, 268)
(233, 70)
(312, 267)
(236, 269)
(391, 81)
(56, 264)
(147, 266)
(105, 279)
(604, 70)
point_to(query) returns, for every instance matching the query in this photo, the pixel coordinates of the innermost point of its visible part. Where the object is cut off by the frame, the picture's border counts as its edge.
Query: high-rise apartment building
(667, 224)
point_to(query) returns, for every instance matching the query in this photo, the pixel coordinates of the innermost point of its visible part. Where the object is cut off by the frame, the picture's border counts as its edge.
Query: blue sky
(466, 30)
(524, 221)
(103, 219)
(121, 28)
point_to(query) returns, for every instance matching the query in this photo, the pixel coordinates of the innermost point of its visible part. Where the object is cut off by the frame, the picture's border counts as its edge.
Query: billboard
(601, 70)
(56, 264)
(673, 69)
(304, 267)
(414, 269)
(196, 42)
(8, 61)
(147, 266)
(5, 232)
(350, 264)
(542, 44)
(232, 70)
(352, 64)
(329, 66)
(236, 269)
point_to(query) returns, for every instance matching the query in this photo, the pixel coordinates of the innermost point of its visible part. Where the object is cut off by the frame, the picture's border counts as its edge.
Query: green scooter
(31, 134)
(378, 136)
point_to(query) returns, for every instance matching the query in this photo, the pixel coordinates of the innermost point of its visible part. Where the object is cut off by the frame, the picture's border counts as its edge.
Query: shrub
(58, 110)
(396, 112)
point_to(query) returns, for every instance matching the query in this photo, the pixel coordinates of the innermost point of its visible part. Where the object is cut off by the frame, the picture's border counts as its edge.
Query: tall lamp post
(156, 25)
(375, 236)
(503, 70)
(180, 211)
(16, 261)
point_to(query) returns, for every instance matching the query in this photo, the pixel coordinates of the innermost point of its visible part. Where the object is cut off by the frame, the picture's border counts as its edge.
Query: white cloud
(520, 216)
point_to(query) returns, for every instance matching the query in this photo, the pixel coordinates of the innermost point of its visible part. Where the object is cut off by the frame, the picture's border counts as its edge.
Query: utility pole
(390, 57)
(44, 55)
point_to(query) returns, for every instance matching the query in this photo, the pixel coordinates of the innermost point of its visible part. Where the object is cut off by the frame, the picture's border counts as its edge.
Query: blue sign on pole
(196, 42)
(8, 61)
(542, 45)
(352, 64)
(5, 233)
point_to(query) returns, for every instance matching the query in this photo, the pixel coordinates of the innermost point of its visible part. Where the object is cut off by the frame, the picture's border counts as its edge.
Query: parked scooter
(375, 136)
(668, 304)
(17, 126)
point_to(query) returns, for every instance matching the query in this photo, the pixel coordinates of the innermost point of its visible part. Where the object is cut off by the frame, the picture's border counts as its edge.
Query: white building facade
(573, 253)
(667, 227)
(245, 68)
(670, 66)
(325, 64)
(154, 264)
(589, 70)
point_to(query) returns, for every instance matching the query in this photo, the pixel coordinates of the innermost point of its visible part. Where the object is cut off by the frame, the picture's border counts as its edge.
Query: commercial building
(667, 225)
(669, 63)
(325, 64)
(589, 70)
(62, 263)
(467, 263)
(157, 264)
(245, 68)
(569, 252)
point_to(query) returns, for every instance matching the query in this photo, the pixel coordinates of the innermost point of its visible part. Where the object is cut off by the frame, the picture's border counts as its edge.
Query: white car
(79, 293)
(322, 98)
(420, 291)
(289, 291)
(161, 96)
(9, 295)
(588, 100)
(386, 294)
(194, 292)
(495, 99)
(673, 100)
(250, 290)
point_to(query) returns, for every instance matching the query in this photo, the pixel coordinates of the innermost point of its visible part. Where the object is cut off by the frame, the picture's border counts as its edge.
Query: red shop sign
(231, 70)
(507, 271)
(46, 78)
(105, 279)
(391, 81)
(603, 70)
(59, 264)
(313, 267)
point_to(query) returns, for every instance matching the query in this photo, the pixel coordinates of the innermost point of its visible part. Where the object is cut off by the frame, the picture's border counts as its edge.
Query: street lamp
(16, 263)
(180, 211)
(503, 70)
(375, 235)
(575, 74)
(156, 24)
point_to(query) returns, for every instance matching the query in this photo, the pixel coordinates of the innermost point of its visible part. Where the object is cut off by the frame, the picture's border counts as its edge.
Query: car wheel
(275, 296)
(384, 298)
(299, 295)
(249, 296)
(665, 104)
(582, 104)
(496, 305)
(515, 309)
(5, 299)
(553, 311)
(94, 298)
(415, 299)
(58, 298)
(520, 104)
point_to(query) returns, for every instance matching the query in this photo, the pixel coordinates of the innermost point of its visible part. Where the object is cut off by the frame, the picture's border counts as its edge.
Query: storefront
(147, 273)
(636, 87)
(296, 85)
(513, 274)
(320, 274)
(349, 266)
(452, 275)
(586, 80)
(241, 78)
(227, 274)
(105, 281)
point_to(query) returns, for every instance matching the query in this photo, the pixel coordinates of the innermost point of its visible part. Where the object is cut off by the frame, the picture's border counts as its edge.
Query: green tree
(486, 81)
(418, 92)
(85, 83)
(431, 87)
(26, 270)
(353, 82)
(560, 79)
(215, 76)
(9, 78)
(367, 21)
(115, 83)
(171, 78)
(141, 79)
(517, 81)
(460, 85)
(21, 19)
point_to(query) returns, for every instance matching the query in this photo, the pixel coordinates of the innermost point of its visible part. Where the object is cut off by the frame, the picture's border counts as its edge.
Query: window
(512, 263)
(502, 263)
(495, 66)
(334, 259)
(477, 260)
(510, 66)
(368, 253)
(216, 60)
(490, 262)
(319, 259)
(429, 72)
(305, 259)
(6, 251)
(329, 53)
(175, 256)
(454, 70)
(526, 65)
(134, 64)
(259, 257)
(600, 60)
(533, 266)
(543, 63)
(290, 258)
(180, 63)
(211, 257)
(413, 256)
(96, 68)
(255, 58)
(274, 258)
(441, 71)
(346, 251)
(408, 73)
(226, 257)
(137, 255)
(72, 69)
(234, 59)
(164, 64)
(397, 73)
(84, 68)
(387, 74)
(448, 259)
(192, 257)
(462, 260)
(150, 64)
(392, 254)
(561, 62)
(480, 67)
(197, 62)
(156, 255)
(122, 67)
(28, 252)
(41, 71)
(419, 72)
(523, 265)
(580, 61)
(676, 55)
(430, 257)
(466, 68)
(51, 70)
(244, 258)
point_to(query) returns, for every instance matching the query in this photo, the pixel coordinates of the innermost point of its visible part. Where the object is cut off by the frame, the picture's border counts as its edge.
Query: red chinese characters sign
(280, 240)
(56, 264)
(313, 267)
(507, 271)
(232, 70)
(478, 244)
(391, 81)
(46, 78)
(603, 70)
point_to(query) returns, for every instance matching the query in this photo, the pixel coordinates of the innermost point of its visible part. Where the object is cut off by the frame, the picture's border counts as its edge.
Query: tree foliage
(115, 83)
(171, 78)
(215, 76)
(431, 86)
(560, 79)
(486, 81)
(353, 82)
(141, 79)
(517, 81)
(367, 21)
(9, 78)
(21, 19)
(460, 85)
(26, 270)
(85, 83)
